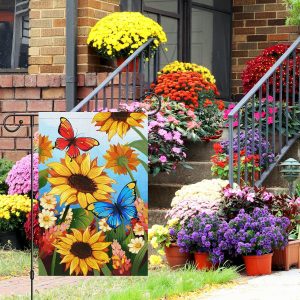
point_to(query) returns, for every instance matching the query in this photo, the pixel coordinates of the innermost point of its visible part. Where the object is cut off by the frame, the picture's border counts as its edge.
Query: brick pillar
(47, 48)
(257, 24)
(89, 13)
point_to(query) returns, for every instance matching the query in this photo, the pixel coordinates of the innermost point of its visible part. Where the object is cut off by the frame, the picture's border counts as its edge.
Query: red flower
(218, 148)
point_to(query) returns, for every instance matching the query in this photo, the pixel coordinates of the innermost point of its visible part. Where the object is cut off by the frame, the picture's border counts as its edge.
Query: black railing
(266, 122)
(127, 83)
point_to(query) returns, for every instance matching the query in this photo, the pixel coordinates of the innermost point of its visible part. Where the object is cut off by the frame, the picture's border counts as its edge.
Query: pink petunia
(163, 159)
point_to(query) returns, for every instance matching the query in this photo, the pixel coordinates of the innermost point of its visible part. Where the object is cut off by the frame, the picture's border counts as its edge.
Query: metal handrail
(240, 112)
(111, 76)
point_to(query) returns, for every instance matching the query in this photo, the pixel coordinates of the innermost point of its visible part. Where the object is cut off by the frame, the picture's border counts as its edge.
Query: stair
(163, 187)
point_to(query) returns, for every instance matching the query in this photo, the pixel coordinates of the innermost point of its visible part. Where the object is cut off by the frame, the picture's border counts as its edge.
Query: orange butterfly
(70, 142)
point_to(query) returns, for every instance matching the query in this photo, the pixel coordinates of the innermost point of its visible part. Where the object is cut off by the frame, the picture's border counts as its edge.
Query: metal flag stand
(14, 128)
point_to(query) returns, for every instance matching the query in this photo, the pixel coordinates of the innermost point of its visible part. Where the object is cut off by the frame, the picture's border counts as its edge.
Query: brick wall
(47, 48)
(257, 24)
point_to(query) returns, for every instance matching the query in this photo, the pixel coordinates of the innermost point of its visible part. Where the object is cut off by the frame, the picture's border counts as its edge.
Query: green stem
(53, 263)
(132, 178)
(140, 134)
(65, 214)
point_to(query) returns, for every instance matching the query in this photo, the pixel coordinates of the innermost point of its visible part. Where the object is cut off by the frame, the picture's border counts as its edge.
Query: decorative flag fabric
(93, 193)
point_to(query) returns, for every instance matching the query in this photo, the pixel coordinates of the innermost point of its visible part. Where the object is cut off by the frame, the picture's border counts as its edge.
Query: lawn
(160, 283)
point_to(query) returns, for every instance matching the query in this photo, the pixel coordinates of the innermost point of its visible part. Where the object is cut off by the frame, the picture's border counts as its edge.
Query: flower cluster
(247, 198)
(121, 264)
(37, 230)
(19, 177)
(258, 66)
(247, 155)
(177, 66)
(166, 148)
(207, 189)
(254, 234)
(13, 211)
(183, 87)
(120, 34)
(201, 234)
(189, 208)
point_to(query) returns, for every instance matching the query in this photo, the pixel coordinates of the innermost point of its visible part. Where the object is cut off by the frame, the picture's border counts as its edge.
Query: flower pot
(289, 256)
(258, 264)
(175, 258)
(131, 68)
(202, 260)
(13, 240)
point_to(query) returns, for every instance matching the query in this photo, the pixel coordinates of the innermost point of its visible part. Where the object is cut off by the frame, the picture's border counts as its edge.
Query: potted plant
(5, 167)
(13, 210)
(255, 236)
(119, 34)
(165, 238)
(284, 205)
(200, 236)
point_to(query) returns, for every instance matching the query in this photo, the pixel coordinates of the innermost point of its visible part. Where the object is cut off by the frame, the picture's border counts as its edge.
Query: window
(198, 31)
(14, 34)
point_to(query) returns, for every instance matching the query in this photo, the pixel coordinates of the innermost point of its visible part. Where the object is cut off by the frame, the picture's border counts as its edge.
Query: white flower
(138, 229)
(136, 245)
(173, 222)
(48, 201)
(47, 219)
(103, 226)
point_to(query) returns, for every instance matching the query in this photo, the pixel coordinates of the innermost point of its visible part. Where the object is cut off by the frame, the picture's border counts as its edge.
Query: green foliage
(294, 12)
(5, 167)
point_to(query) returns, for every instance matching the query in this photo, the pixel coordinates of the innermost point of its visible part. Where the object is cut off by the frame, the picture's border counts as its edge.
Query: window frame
(16, 69)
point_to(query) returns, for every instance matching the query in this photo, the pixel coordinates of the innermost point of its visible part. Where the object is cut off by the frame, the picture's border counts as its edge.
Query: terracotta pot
(202, 261)
(175, 258)
(120, 60)
(289, 256)
(258, 264)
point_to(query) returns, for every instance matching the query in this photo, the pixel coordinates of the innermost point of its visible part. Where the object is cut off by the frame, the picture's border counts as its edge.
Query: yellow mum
(177, 66)
(121, 33)
(79, 180)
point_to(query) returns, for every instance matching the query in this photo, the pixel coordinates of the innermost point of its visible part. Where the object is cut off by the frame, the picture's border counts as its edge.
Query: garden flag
(93, 193)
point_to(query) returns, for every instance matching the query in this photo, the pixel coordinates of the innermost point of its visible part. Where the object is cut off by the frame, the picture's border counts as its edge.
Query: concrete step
(201, 170)
(199, 151)
(161, 195)
(157, 216)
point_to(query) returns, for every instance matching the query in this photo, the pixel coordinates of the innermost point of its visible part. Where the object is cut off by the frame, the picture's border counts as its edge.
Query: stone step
(161, 195)
(199, 151)
(157, 216)
(182, 175)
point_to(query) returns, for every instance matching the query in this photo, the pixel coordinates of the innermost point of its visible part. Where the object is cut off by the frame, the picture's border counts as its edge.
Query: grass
(159, 284)
(14, 263)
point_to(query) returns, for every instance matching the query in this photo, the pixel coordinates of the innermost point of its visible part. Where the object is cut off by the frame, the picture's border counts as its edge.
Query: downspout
(71, 55)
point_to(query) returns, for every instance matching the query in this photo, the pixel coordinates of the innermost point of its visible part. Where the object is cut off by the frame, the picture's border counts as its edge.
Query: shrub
(5, 167)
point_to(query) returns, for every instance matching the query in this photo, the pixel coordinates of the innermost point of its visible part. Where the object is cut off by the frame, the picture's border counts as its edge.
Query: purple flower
(163, 159)
(176, 150)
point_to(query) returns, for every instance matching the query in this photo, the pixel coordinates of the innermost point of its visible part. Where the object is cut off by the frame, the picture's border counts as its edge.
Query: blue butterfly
(122, 210)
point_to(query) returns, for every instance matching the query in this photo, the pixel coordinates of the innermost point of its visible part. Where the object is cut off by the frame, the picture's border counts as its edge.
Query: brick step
(157, 216)
(201, 170)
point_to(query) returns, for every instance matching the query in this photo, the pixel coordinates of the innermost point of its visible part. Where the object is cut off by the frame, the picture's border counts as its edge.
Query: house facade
(46, 64)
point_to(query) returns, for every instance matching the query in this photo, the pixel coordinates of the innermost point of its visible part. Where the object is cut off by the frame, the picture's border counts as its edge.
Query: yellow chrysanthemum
(118, 122)
(121, 159)
(79, 180)
(177, 66)
(83, 251)
(45, 148)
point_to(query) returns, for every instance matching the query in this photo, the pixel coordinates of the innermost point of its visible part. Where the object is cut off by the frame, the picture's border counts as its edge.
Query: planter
(131, 68)
(175, 258)
(202, 260)
(258, 264)
(289, 256)
(13, 239)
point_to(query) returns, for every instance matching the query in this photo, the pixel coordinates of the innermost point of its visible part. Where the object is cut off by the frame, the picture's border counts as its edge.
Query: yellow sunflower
(45, 148)
(83, 251)
(79, 180)
(121, 159)
(118, 122)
